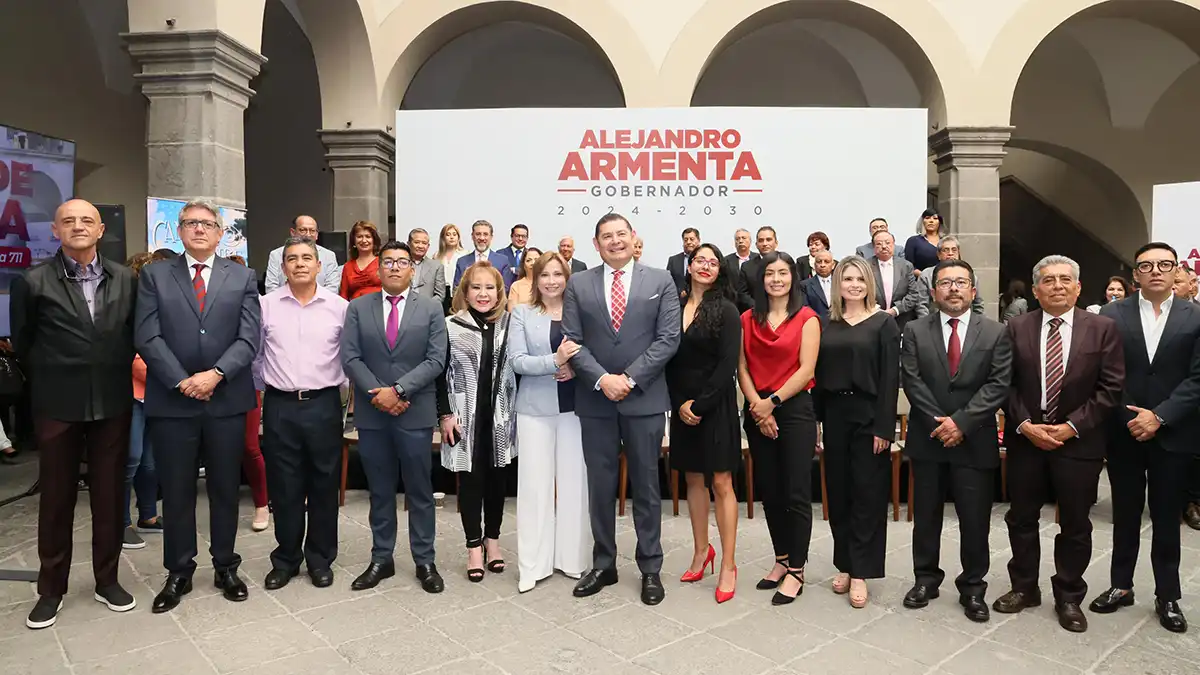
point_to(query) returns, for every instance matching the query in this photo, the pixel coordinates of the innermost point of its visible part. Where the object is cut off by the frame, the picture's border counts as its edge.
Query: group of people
(590, 364)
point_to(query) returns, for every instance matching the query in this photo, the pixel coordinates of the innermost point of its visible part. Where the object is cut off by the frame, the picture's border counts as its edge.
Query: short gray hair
(949, 239)
(299, 241)
(199, 203)
(1054, 260)
(417, 230)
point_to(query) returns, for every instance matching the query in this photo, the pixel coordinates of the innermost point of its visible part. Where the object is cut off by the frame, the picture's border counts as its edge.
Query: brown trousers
(62, 447)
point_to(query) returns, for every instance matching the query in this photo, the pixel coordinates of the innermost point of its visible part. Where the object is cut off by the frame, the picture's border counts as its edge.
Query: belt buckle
(300, 395)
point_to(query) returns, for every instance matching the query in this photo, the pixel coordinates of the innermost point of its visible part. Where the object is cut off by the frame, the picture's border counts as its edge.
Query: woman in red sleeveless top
(780, 341)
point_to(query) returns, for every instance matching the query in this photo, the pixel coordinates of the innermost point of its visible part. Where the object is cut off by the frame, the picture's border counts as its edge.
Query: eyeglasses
(706, 262)
(193, 224)
(396, 263)
(1164, 266)
(959, 284)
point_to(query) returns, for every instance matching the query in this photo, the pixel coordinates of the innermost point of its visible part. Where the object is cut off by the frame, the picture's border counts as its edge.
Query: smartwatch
(399, 392)
(774, 398)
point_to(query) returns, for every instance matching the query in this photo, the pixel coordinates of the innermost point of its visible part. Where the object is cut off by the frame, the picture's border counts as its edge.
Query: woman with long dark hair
(1013, 303)
(1118, 288)
(780, 341)
(921, 249)
(360, 274)
(705, 441)
(858, 384)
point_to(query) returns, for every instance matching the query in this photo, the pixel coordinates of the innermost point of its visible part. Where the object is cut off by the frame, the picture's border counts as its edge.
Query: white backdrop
(796, 169)
(1174, 219)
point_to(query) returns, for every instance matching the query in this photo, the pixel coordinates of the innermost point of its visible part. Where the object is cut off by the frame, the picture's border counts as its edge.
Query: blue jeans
(139, 471)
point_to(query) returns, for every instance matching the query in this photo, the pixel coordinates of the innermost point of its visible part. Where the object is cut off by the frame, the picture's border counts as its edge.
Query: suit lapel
(1131, 315)
(598, 286)
(1079, 329)
(973, 330)
(1174, 320)
(878, 281)
(75, 293)
(179, 270)
(896, 279)
(377, 317)
(935, 338)
(405, 318)
(216, 279)
(1032, 338)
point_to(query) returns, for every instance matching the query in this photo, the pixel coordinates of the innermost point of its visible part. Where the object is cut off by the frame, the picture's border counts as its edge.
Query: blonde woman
(857, 384)
(521, 291)
(449, 251)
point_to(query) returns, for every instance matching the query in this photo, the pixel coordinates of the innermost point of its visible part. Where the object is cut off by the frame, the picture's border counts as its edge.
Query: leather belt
(301, 395)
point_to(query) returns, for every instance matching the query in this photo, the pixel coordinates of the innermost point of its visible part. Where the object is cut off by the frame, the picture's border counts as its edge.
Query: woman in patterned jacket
(475, 406)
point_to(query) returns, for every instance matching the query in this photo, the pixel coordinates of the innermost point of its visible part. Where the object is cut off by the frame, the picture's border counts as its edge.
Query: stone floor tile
(986, 656)
(32, 653)
(551, 599)
(558, 651)
(1129, 659)
(319, 662)
(106, 637)
(408, 649)
(768, 632)
(1151, 636)
(206, 614)
(172, 658)
(231, 649)
(704, 655)
(471, 666)
(1040, 634)
(693, 605)
(630, 630)
(355, 618)
(847, 657)
(919, 641)
(490, 626)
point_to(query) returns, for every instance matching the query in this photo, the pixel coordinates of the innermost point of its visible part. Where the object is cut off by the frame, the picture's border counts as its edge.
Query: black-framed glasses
(396, 263)
(1164, 266)
(960, 284)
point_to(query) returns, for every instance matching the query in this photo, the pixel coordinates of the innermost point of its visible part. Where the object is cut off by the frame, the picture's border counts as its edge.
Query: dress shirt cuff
(597, 387)
(632, 383)
(1073, 428)
(1022, 424)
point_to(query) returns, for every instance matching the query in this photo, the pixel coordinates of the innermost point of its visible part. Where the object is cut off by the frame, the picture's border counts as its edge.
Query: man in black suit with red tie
(1154, 431)
(1068, 371)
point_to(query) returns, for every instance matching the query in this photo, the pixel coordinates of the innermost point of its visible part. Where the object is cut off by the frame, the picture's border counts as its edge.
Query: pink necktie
(618, 300)
(393, 323)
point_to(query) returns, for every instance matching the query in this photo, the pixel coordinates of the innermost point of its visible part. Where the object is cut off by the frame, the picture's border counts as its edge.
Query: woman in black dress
(857, 384)
(705, 440)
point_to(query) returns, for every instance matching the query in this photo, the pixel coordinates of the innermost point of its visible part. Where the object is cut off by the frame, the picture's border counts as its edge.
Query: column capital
(960, 147)
(179, 63)
(359, 148)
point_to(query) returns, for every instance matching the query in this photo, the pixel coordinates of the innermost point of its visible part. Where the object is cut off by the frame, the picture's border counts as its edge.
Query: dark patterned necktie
(1054, 369)
(198, 285)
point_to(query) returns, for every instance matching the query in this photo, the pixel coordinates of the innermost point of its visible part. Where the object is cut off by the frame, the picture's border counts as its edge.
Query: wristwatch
(776, 400)
(399, 392)
(220, 372)
(1160, 420)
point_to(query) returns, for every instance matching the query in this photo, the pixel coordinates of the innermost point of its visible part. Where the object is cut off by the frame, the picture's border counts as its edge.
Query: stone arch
(417, 29)
(1030, 25)
(342, 46)
(914, 30)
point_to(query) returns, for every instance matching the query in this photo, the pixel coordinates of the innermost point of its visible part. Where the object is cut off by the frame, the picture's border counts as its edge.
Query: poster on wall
(37, 173)
(799, 170)
(162, 228)
(1174, 220)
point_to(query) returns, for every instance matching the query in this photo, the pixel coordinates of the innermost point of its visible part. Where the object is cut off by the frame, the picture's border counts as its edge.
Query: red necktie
(954, 350)
(198, 285)
(618, 300)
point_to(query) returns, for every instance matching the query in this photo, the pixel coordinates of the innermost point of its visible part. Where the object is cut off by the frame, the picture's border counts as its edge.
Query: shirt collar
(192, 262)
(1147, 306)
(627, 269)
(887, 262)
(1068, 318)
(321, 294)
(387, 295)
(963, 321)
(74, 266)
(486, 254)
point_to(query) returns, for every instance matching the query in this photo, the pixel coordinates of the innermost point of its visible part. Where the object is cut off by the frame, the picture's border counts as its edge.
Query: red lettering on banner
(21, 179)
(14, 257)
(665, 155)
(589, 140)
(12, 220)
(3, 176)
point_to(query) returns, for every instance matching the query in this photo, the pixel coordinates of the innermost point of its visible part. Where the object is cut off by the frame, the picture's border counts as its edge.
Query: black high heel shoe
(771, 584)
(780, 598)
(475, 574)
(495, 566)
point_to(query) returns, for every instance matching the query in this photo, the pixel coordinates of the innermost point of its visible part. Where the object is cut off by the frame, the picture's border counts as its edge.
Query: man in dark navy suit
(481, 235)
(818, 289)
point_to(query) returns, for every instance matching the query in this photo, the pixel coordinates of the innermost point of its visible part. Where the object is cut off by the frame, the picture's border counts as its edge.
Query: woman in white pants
(553, 529)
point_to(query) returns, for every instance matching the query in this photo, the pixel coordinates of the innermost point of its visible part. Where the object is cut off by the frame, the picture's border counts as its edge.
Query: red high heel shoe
(709, 561)
(725, 596)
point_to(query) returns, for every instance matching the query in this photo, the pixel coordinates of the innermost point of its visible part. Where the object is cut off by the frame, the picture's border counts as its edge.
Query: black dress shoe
(918, 596)
(1071, 617)
(1192, 516)
(594, 581)
(1170, 616)
(1015, 601)
(975, 608)
(652, 589)
(431, 581)
(231, 585)
(375, 573)
(168, 598)
(322, 578)
(278, 578)
(1111, 600)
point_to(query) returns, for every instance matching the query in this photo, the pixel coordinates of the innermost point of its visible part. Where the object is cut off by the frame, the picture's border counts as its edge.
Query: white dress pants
(551, 535)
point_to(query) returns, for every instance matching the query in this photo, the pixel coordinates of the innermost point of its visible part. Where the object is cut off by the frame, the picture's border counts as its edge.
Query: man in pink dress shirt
(300, 367)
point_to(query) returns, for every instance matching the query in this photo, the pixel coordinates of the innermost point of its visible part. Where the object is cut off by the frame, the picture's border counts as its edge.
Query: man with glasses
(72, 328)
(481, 236)
(198, 330)
(957, 370)
(1154, 431)
(948, 249)
(330, 277)
(393, 349)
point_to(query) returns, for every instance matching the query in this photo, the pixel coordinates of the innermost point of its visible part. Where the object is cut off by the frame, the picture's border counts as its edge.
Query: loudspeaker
(338, 242)
(112, 244)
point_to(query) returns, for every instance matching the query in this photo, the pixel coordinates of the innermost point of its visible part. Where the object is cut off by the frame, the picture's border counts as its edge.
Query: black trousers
(1032, 473)
(1193, 491)
(62, 446)
(184, 441)
(481, 491)
(972, 492)
(785, 470)
(1132, 467)
(857, 481)
(302, 446)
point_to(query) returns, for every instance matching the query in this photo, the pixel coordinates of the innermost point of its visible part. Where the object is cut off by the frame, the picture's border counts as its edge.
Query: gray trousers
(388, 454)
(640, 437)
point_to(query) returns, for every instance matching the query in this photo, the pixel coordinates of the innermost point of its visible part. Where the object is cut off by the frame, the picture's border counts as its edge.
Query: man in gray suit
(625, 318)
(428, 277)
(957, 371)
(948, 249)
(894, 278)
(867, 250)
(198, 328)
(393, 348)
(331, 273)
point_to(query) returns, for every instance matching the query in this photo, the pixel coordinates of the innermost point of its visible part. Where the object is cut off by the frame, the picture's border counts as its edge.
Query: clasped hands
(1047, 436)
(763, 412)
(562, 357)
(201, 385)
(386, 400)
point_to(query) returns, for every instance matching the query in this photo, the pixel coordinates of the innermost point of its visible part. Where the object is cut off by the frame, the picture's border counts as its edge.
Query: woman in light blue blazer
(551, 533)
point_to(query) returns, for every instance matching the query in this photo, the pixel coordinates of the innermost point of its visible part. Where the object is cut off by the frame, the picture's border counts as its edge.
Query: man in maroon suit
(1068, 373)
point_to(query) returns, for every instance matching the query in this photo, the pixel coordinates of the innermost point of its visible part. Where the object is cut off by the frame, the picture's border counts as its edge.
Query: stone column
(198, 85)
(362, 161)
(968, 163)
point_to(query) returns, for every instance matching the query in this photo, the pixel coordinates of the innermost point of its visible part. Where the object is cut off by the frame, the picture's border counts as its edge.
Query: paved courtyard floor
(488, 628)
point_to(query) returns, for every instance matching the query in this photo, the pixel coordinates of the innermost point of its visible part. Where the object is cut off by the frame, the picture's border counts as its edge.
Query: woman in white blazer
(551, 533)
